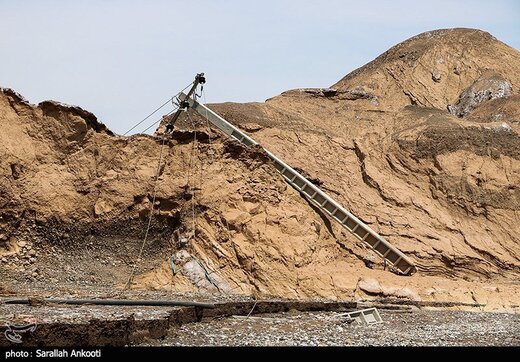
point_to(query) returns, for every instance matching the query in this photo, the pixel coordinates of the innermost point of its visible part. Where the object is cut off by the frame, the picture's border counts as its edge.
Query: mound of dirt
(422, 144)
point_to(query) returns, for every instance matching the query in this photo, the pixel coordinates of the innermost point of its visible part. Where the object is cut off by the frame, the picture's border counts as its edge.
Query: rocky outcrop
(488, 87)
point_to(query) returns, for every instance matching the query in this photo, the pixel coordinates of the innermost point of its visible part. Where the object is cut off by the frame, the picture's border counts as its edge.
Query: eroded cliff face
(422, 144)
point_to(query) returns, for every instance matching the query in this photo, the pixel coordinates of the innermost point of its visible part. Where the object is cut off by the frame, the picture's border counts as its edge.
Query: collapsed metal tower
(401, 263)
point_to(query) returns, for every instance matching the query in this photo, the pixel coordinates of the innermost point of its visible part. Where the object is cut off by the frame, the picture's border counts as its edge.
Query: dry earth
(422, 144)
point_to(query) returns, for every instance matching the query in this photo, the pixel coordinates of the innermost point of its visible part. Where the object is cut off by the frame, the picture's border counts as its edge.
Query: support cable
(155, 111)
(149, 218)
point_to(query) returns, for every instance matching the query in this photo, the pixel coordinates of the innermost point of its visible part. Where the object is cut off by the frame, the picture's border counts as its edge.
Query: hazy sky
(121, 59)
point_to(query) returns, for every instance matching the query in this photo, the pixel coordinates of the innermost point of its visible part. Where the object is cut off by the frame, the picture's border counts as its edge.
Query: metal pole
(153, 303)
(199, 79)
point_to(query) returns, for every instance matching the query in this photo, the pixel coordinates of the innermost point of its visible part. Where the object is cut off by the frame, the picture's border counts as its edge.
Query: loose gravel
(418, 328)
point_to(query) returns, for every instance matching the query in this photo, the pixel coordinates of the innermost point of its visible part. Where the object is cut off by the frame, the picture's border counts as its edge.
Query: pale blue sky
(121, 59)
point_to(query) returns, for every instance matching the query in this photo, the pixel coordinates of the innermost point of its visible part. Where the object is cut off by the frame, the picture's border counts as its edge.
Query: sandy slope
(422, 144)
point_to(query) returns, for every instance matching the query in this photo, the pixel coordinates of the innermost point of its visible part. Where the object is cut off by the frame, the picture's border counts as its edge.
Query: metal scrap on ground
(367, 316)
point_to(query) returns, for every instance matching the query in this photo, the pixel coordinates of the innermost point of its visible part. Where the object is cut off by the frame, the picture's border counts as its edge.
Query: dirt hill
(422, 144)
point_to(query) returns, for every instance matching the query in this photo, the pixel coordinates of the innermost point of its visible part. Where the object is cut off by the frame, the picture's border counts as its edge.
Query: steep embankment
(76, 199)
(422, 144)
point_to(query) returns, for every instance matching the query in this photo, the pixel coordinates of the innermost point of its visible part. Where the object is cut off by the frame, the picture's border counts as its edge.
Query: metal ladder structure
(401, 263)
(364, 316)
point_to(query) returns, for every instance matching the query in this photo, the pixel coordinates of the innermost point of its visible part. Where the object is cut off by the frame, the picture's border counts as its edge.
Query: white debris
(503, 127)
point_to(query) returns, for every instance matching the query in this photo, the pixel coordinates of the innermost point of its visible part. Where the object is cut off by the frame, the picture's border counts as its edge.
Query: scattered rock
(102, 207)
(370, 286)
(424, 328)
(436, 76)
(358, 93)
(373, 287)
(249, 127)
(504, 127)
